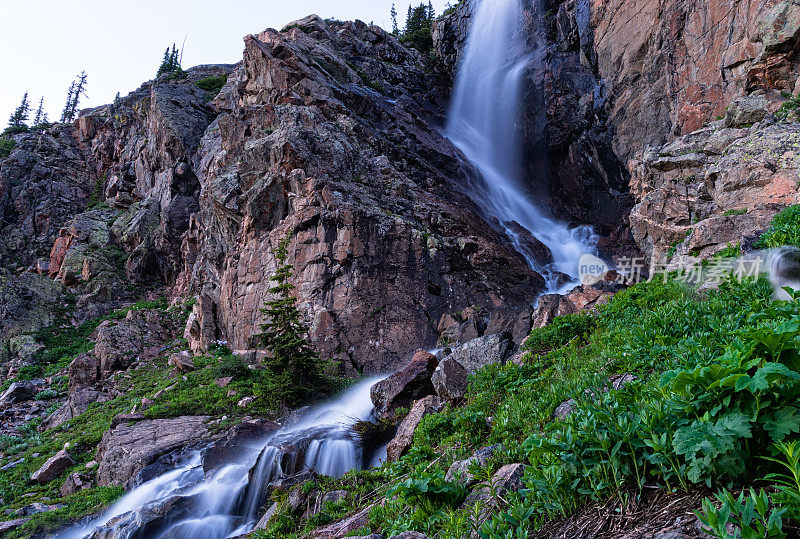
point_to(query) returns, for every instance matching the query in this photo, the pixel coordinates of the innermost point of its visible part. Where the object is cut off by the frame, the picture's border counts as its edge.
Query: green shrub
(231, 364)
(560, 332)
(749, 514)
(7, 145)
(785, 230)
(212, 85)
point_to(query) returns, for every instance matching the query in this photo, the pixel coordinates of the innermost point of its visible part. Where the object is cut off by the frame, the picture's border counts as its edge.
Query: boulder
(487, 350)
(450, 377)
(36, 508)
(53, 467)
(84, 370)
(75, 482)
(344, 527)
(506, 479)
(406, 385)
(459, 470)
(11, 525)
(450, 380)
(747, 110)
(21, 391)
(182, 362)
(405, 432)
(263, 522)
(120, 344)
(129, 447)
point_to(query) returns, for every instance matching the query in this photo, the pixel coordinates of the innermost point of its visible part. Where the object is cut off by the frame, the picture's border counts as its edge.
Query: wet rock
(53, 467)
(17, 392)
(401, 388)
(459, 470)
(147, 520)
(36, 508)
(405, 432)
(11, 525)
(247, 433)
(130, 447)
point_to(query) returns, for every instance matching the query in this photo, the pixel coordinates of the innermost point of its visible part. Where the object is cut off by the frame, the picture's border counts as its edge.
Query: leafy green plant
(557, 334)
(788, 484)
(784, 230)
(749, 513)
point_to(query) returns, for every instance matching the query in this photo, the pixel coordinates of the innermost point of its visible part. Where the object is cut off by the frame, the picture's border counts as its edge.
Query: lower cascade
(226, 501)
(484, 124)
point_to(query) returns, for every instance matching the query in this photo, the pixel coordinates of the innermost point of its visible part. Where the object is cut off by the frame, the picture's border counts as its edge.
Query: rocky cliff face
(326, 136)
(672, 66)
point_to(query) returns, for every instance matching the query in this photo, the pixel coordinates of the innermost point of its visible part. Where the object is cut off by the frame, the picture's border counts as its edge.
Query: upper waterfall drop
(483, 123)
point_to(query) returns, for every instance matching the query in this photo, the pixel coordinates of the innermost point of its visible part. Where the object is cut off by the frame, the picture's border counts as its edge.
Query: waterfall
(228, 502)
(484, 124)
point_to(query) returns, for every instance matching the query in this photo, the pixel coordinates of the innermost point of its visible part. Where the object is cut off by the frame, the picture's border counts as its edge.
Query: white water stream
(484, 124)
(228, 502)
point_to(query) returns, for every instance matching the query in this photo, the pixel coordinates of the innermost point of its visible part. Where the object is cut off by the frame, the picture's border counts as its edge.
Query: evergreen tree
(431, 12)
(393, 14)
(296, 371)
(16, 123)
(40, 119)
(408, 18)
(65, 114)
(80, 90)
(171, 63)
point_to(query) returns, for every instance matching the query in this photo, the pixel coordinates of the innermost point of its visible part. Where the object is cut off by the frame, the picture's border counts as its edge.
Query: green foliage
(212, 85)
(16, 123)
(76, 89)
(559, 333)
(230, 364)
(171, 62)
(296, 372)
(749, 514)
(788, 108)
(788, 483)
(7, 145)
(785, 230)
(417, 32)
(85, 502)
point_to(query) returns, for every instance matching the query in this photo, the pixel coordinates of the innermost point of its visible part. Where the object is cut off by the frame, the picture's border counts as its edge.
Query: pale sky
(44, 44)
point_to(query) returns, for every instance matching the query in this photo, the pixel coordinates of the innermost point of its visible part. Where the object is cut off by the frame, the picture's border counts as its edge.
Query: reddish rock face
(671, 66)
(326, 136)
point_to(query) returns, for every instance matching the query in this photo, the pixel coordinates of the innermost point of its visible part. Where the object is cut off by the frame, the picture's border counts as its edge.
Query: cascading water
(484, 125)
(188, 504)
